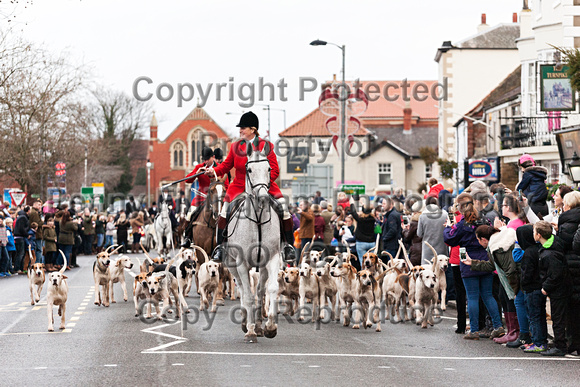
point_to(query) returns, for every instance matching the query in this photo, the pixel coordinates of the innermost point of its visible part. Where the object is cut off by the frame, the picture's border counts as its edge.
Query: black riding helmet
(206, 154)
(218, 153)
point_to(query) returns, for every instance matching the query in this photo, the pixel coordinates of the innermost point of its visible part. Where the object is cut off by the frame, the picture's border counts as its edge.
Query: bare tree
(118, 120)
(41, 118)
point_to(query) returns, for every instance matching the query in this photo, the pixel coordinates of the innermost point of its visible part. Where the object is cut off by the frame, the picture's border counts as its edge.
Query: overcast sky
(209, 42)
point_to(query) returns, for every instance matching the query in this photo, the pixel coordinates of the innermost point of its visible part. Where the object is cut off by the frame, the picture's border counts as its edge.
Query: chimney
(483, 26)
(407, 118)
(515, 17)
(153, 129)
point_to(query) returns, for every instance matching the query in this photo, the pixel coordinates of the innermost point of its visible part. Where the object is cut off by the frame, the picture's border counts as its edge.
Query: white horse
(163, 229)
(255, 241)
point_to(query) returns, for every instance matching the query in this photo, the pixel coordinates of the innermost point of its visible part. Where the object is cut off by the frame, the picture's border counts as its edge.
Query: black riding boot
(218, 253)
(188, 236)
(288, 250)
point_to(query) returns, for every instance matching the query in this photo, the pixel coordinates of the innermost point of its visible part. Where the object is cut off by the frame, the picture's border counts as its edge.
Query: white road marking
(355, 355)
(314, 366)
(518, 369)
(384, 367)
(245, 366)
(40, 368)
(177, 364)
(82, 308)
(71, 325)
(152, 330)
(109, 365)
(75, 318)
(449, 369)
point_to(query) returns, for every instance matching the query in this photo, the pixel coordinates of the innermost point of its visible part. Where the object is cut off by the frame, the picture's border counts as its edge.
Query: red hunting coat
(204, 183)
(237, 159)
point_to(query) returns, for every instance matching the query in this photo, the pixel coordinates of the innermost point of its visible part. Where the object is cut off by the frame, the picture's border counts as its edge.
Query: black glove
(355, 197)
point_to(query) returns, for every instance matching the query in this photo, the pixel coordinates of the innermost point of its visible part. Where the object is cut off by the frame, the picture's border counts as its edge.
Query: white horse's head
(258, 172)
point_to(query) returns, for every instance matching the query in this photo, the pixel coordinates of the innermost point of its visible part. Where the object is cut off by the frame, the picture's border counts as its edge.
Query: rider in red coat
(207, 155)
(237, 159)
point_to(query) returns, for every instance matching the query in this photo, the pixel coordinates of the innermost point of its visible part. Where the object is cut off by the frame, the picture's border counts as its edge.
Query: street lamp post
(148, 183)
(86, 163)
(343, 96)
(282, 110)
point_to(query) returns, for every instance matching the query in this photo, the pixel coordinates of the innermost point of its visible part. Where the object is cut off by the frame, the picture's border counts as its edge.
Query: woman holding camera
(476, 283)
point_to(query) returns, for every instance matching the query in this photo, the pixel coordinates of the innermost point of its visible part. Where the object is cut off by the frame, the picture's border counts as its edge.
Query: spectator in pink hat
(533, 184)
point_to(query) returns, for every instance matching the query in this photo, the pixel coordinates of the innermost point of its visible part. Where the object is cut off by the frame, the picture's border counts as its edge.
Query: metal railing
(521, 132)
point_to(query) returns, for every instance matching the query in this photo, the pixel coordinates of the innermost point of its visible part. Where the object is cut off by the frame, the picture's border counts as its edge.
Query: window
(197, 141)
(384, 173)
(324, 145)
(428, 171)
(531, 89)
(178, 155)
(554, 173)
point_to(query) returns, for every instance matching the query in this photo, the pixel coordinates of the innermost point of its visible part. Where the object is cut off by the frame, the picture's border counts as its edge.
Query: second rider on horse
(237, 159)
(204, 182)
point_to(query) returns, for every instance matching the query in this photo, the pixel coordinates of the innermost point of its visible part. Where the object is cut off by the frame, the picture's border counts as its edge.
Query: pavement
(105, 345)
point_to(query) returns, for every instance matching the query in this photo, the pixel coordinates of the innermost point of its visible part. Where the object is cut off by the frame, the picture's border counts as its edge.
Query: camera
(462, 253)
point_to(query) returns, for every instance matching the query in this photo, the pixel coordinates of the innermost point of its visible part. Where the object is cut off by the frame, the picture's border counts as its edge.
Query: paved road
(102, 346)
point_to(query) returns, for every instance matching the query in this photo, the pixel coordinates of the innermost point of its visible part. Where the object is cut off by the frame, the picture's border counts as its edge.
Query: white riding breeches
(190, 212)
(282, 201)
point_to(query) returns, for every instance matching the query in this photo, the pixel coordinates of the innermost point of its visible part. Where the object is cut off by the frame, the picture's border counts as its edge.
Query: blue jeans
(536, 307)
(67, 250)
(100, 240)
(38, 252)
(385, 258)
(108, 241)
(523, 321)
(476, 287)
(362, 248)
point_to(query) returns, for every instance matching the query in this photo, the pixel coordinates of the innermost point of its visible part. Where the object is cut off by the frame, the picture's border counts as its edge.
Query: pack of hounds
(331, 286)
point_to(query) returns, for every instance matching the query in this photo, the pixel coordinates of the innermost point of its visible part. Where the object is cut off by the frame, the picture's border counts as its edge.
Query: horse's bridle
(259, 185)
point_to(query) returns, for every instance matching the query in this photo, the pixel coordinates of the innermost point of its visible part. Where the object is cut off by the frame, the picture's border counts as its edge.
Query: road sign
(18, 197)
(349, 189)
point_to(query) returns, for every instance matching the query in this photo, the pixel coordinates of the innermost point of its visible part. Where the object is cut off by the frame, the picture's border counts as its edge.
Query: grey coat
(430, 228)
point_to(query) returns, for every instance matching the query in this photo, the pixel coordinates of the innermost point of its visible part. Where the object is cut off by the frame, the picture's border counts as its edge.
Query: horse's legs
(271, 328)
(242, 275)
(260, 293)
(247, 303)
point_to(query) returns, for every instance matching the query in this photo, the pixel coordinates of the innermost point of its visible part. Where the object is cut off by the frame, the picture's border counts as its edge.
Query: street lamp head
(574, 168)
(318, 42)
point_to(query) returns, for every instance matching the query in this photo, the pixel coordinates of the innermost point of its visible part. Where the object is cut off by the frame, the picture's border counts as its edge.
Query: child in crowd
(532, 287)
(49, 237)
(533, 184)
(11, 247)
(555, 281)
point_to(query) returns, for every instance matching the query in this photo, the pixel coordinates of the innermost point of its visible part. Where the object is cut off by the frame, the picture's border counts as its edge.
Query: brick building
(175, 156)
